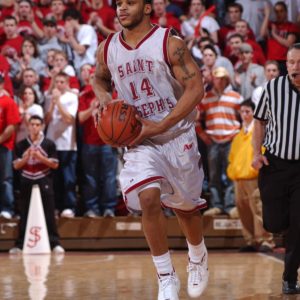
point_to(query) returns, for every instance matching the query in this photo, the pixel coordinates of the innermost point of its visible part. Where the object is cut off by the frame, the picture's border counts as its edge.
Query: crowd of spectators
(47, 62)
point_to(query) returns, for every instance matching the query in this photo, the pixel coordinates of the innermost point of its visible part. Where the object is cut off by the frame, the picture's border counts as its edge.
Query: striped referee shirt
(279, 106)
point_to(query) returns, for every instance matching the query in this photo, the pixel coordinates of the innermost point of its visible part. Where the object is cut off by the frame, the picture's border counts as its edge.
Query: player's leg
(155, 230)
(191, 225)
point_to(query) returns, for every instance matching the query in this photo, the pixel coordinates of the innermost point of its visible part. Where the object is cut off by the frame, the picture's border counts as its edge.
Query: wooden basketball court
(131, 275)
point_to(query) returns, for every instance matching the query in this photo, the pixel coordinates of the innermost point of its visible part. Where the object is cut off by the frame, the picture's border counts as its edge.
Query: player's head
(293, 64)
(131, 13)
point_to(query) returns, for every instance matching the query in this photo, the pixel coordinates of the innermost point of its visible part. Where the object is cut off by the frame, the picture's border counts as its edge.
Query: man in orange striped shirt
(219, 114)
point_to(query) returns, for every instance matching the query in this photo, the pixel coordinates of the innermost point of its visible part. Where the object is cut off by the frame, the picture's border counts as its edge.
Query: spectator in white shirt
(81, 37)
(271, 71)
(61, 108)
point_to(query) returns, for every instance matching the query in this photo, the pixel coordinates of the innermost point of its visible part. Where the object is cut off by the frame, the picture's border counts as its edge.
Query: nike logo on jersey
(187, 147)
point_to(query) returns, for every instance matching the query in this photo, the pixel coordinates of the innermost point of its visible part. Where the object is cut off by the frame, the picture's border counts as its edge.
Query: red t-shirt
(172, 22)
(6, 11)
(106, 13)
(90, 134)
(9, 115)
(25, 27)
(4, 69)
(225, 32)
(11, 46)
(276, 51)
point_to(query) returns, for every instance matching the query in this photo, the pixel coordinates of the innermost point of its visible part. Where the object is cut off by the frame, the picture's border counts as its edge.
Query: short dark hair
(11, 18)
(235, 35)
(212, 48)
(62, 74)
(73, 14)
(248, 103)
(28, 1)
(235, 5)
(148, 2)
(36, 117)
(272, 62)
(282, 4)
(294, 46)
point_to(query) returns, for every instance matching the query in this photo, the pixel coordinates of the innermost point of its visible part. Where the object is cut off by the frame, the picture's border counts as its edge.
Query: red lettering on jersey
(187, 147)
(140, 63)
(151, 107)
(145, 111)
(121, 72)
(128, 69)
(149, 65)
(170, 104)
(160, 105)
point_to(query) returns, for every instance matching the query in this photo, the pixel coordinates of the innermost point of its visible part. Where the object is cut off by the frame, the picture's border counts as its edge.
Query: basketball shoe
(169, 286)
(198, 277)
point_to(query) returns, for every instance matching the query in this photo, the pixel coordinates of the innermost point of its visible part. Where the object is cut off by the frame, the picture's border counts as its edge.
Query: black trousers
(279, 185)
(46, 187)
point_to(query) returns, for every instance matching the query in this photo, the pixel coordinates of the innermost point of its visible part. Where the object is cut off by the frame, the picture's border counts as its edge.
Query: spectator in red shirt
(162, 18)
(4, 69)
(57, 11)
(9, 119)
(7, 9)
(233, 52)
(234, 13)
(12, 45)
(43, 8)
(280, 34)
(101, 16)
(99, 184)
(29, 24)
(242, 27)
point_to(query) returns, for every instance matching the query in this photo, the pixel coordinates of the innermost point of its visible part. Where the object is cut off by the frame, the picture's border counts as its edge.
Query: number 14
(146, 87)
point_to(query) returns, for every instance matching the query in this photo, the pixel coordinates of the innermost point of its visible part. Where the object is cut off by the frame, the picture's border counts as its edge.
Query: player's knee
(150, 205)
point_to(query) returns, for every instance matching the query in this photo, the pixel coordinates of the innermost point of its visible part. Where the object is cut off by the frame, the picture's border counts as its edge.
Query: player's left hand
(149, 129)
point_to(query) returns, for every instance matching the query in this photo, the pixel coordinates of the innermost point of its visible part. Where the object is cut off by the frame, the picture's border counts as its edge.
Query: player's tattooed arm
(102, 80)
(101, 84)
(179, 53)
(188, 74)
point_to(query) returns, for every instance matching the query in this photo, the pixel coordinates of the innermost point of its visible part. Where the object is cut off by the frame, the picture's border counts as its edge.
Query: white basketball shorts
(172, 166)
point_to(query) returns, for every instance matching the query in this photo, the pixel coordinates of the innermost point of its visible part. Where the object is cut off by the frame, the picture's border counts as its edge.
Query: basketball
(118, 126)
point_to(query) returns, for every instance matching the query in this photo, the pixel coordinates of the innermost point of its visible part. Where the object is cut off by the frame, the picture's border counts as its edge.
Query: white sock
(196, 251)
(163, 264)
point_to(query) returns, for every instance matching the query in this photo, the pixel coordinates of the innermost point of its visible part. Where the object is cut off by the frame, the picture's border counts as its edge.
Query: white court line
(92, 261)
(271, 258)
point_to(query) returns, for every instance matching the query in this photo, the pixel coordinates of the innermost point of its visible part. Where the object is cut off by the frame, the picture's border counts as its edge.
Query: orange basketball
(118, 125)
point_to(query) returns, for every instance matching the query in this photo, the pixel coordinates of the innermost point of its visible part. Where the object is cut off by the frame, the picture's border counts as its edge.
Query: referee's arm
(257, 140)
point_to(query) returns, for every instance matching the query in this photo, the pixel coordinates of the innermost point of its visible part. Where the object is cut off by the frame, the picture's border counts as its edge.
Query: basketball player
(153, 70)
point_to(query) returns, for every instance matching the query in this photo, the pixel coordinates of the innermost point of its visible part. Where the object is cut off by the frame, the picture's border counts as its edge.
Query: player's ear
(148, 9)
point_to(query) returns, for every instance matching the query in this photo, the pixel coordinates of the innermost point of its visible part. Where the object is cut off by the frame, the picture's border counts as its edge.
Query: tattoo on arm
(180, 54)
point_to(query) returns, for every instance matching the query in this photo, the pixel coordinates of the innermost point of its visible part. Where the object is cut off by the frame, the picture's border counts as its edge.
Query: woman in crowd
(27, 107)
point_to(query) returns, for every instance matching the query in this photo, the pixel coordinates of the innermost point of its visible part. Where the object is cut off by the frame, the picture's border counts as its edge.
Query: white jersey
(143, 78)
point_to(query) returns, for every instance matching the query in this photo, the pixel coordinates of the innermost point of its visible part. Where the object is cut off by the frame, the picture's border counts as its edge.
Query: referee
(277, 128)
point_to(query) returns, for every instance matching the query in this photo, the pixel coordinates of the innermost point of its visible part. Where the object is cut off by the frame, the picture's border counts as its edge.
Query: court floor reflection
(131, 276)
